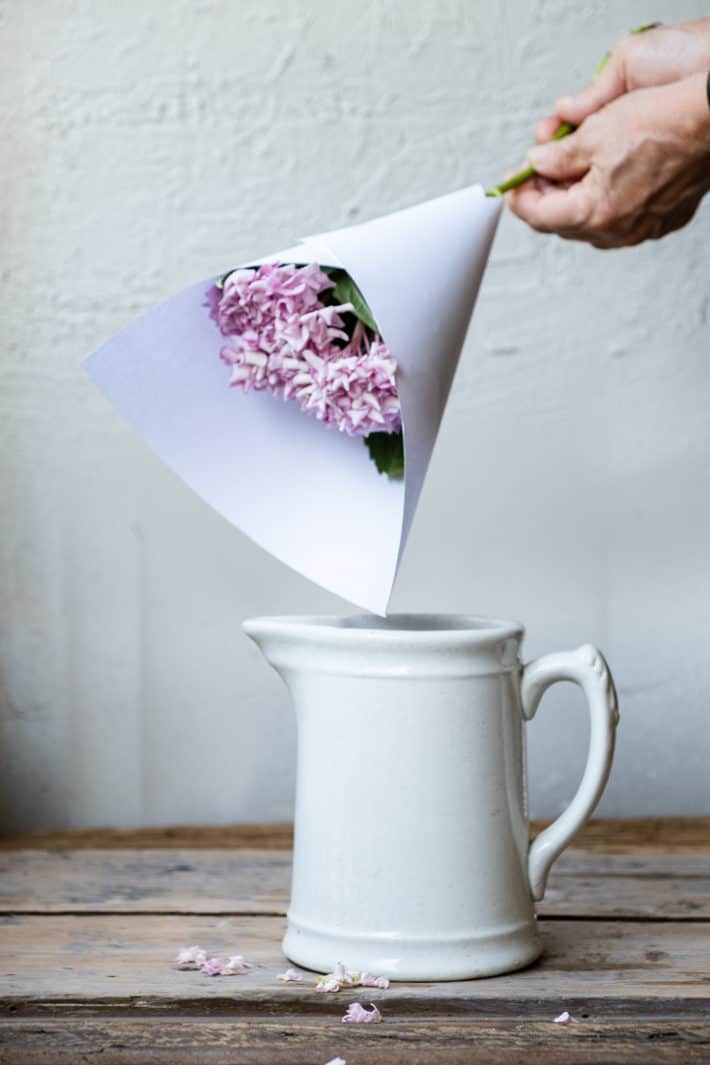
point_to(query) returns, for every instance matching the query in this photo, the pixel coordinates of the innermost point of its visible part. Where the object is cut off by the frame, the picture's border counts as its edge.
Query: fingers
(549, 208)
(610, 83)
(563, 160)
(546, 128)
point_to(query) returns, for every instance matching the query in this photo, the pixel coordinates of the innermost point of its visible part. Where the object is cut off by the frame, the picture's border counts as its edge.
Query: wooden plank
(286, 1038)
(638, 835)
(139, 881)
(102, 961)
(257, 881)
(180, 836)
(616, 835)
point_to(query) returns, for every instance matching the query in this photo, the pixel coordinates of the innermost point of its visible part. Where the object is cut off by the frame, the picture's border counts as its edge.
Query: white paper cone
(309, 494)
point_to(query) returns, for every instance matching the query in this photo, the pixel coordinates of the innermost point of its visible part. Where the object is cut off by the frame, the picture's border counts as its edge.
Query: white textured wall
(146, 145)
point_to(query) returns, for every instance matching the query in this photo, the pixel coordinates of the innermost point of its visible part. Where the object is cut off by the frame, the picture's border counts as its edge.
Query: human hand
(633, 171)
(656, 57)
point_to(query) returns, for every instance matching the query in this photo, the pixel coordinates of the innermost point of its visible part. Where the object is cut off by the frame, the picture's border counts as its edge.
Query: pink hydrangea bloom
(213, 967)
(357, 1014)
(282, 338)
(191, 958)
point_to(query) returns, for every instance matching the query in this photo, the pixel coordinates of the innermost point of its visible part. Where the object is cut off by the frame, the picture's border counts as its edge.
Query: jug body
(411, 837)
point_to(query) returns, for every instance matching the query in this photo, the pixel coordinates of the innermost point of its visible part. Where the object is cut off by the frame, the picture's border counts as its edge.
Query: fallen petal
(344, 977)
(565, 1018)
(290, 975)
(213, 967)
(191, 958)
(327, 984)
(368, 980)
(336, 1061)
(235, 966)
(357, 1014)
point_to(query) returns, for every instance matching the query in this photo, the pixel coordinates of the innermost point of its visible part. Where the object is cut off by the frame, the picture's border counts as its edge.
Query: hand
(633, 171)
(640, 61)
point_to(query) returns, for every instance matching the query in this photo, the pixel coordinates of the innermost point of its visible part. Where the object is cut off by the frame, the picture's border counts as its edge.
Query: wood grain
(240, 881)
(90, 923)
(616, 835)
(180, 836)
(100, 960)
(291, 1039)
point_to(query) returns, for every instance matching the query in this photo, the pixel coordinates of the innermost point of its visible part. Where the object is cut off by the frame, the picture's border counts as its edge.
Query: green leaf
(387, 453)
(346, 291)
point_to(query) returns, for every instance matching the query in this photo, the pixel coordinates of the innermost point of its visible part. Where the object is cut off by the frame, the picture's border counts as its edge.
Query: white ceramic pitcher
(412, 856)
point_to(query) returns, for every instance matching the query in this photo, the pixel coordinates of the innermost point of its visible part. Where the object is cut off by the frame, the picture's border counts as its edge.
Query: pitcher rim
(442, 627)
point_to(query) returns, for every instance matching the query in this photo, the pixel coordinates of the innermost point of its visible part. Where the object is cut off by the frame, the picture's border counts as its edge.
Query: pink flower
(343, 977)
(236, 966)
(290, 975)
(357, 1014)
(565, 1018)
(213, 967)
(327, 984)
(282, 338)
(191, 958)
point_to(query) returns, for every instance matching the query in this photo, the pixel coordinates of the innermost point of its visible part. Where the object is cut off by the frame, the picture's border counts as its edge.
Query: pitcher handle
(587, 668)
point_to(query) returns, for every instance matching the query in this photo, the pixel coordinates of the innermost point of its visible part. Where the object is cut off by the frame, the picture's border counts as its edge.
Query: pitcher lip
(398, 628)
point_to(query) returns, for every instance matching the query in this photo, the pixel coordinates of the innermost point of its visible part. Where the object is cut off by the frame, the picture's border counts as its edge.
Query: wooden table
(91, 921)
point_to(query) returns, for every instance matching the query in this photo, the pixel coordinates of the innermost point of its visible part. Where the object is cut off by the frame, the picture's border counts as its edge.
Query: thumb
(562, 160)
(605, 88)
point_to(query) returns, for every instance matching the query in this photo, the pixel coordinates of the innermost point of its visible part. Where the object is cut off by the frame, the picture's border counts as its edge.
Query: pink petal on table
(565, 1018)
(191, 958)
(327, 984)
(213, 967)
(368, 980)
(236, 966)
(336, 1061)
(290, 975)
(343, 977)
(357, 1014)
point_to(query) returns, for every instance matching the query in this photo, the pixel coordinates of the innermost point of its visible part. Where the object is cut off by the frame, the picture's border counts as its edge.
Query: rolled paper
(308, 494)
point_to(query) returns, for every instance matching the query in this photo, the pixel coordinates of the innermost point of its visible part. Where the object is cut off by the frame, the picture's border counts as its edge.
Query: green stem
(562, 131)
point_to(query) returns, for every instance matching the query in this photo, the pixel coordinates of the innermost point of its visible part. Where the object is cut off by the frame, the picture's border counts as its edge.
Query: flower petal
(357, 1014)
(191, 958)
(565, 1018)
(327, 984)
(236, 966)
